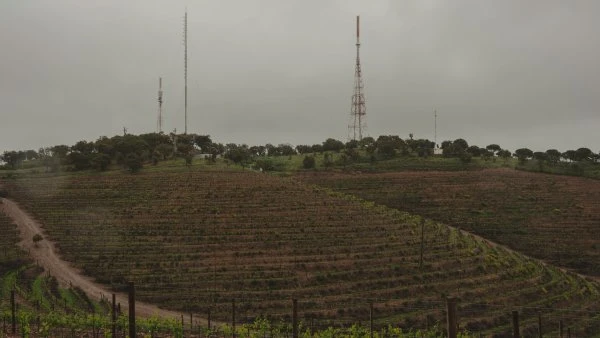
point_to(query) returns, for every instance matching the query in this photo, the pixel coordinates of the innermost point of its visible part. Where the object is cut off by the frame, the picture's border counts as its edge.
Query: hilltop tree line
(133, 151)
(129, 151)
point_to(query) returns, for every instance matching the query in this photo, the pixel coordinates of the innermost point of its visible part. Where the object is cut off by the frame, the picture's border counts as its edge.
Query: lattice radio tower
(358, 113)
(159, 122)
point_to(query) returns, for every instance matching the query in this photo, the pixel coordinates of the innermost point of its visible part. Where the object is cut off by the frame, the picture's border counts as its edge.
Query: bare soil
(45, 254)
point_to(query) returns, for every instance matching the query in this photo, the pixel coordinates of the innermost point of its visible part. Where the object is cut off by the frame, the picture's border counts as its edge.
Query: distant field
(198, 239)
(555, 218)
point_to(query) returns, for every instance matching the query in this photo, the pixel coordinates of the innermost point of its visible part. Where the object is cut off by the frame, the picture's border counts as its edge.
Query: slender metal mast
(358, 112)
(435, 127)
(185, 62)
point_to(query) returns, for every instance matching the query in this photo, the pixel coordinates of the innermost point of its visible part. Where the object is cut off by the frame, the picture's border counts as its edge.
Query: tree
(303, 149)
(569, 155)
(553, 155)
(257, 150)
(317, 148)
(505, 154)
(11, 158)
(31, 154)
(203, 142)
(133, 162)
(100, 161)
(461, 143)
(494, 148)
(366, 142)
(327, 160)
(265, 164)
(333, 145)
(446, 144)
(422, 147)
(523, 154)
(79, 161)
(388, 145)
(583, 154)
(239, 154)
(308, 162)
(83, 147)
(286, 150)
(272, 150)
(164, 150)
(475, 151)
(352, 144)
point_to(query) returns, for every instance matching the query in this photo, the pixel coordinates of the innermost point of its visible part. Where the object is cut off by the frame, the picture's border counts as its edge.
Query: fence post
(191, 324)
(13, 310)
(515, 316)
(540, 324)
(209, 318)
(422, 242)
(560, 329)
(233, 318)
(371, 319)
(114, 316)
(451, 317)
(295, 318)
(132, 310)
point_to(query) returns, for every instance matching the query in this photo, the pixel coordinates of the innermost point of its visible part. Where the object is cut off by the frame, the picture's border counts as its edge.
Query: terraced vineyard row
(193, 241)
(554, 218)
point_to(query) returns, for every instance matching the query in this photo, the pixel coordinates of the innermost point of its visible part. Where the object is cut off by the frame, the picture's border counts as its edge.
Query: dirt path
(45, 255)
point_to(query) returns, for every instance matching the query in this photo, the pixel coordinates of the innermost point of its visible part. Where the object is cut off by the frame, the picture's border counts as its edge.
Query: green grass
(583, 169)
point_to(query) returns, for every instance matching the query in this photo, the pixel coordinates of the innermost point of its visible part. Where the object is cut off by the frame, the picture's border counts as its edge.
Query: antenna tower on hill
(357, 115)
(160, 102)
(185, 68)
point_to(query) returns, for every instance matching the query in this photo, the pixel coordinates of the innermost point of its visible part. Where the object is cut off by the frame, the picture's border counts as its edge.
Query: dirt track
(45, 255)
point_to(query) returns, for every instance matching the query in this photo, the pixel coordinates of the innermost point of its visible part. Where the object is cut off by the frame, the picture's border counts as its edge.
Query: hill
(554, 218)
(194, 240)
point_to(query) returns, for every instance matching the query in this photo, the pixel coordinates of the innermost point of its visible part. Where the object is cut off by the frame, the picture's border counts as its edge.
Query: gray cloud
(509, 72)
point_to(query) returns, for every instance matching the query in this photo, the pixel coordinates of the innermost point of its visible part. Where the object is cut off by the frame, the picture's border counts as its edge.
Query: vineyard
(553, 218)
(194, 241)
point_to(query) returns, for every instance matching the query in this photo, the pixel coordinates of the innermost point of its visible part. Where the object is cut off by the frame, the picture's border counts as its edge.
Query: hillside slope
(196, 240)
(554, 218)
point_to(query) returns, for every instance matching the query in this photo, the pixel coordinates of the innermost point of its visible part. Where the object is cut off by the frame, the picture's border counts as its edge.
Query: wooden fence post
(422, 242)
(371, 320)
(233, 318)
(515, 317)
(13, 310)
(295, 318)
(540, 324)
(451, 317)
(191, 324)
(209, 318)
(560, 329)
(114, 316)
(132, 332)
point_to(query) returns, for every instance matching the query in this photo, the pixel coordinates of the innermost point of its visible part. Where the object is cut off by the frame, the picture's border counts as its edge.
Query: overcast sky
(517, 73)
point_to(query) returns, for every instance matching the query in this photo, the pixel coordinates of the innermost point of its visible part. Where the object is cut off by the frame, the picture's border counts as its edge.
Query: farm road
(46, 256)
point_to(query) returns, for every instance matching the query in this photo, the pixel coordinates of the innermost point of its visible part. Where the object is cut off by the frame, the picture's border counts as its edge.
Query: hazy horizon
(264, 71)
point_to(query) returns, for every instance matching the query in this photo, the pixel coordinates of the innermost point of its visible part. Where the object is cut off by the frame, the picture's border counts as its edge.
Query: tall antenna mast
(160, 102)
(185, 67)
(358, 112)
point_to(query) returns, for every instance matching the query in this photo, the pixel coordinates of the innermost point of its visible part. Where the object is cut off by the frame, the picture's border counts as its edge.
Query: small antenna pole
(435, 127)
(160, 102)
